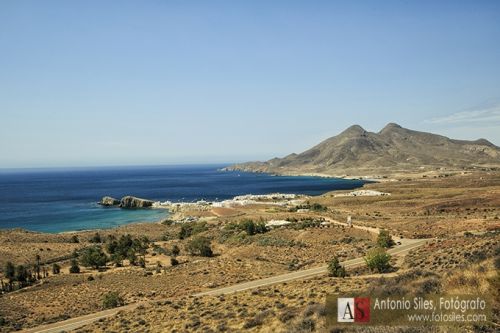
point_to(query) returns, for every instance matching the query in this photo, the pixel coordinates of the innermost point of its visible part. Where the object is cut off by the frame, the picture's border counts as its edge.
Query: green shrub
(74, 239)
(175, 250)
(56, 269)
(174, 262)
(112, 300)
(250, 227)
(190, 229)
(93, 257)
(384, 239)
(167, 222)
(126, 248)
(318, 207)
(200, 246)
(74, 268)
(10, 271)
(335, 269)
(378, 260)
(307, 222)
(96, 238)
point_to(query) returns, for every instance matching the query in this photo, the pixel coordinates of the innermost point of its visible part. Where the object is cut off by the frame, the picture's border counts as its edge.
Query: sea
(60, 200)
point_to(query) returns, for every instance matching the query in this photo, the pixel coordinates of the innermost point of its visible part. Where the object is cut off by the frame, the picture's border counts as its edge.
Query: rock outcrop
(133, 202)
(109, 201)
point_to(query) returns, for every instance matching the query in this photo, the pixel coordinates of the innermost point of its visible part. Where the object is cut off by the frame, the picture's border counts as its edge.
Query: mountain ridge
(394, 148)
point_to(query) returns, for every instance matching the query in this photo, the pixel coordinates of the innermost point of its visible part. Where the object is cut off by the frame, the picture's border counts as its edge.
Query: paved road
(77, 322)
(403, 249)
(74, 323)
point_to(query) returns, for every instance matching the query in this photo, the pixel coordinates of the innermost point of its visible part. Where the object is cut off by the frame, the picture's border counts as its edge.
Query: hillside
(394, 149)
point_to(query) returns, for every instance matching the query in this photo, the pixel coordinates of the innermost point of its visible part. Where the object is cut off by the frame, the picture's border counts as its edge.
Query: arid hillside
(394, 149)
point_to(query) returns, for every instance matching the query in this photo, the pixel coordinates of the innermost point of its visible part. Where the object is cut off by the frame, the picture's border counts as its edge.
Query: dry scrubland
(460, 212)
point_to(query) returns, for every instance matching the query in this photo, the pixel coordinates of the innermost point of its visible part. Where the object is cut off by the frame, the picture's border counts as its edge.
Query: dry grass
(442, 208)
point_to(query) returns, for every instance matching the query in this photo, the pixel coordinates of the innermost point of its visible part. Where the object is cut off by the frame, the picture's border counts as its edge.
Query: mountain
(358, 152)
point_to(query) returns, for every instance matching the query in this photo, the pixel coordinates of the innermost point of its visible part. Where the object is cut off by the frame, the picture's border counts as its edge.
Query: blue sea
(56, 200)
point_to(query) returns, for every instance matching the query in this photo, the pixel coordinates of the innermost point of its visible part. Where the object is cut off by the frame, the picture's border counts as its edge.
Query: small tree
(37, 266)
(378, 260)
(111, 246)
(117, 259)
(252, 228)
(384, 239)
(112, 300)
(175, 250)
(74, 268)
(174, 262)
(10, 272)
(186, 231)
(249, 227)
(318, 207)
(56, 269)
(200, 246)
(96, 238)
(335, 269)
(93, 257)
(132, 258)
(21, 275)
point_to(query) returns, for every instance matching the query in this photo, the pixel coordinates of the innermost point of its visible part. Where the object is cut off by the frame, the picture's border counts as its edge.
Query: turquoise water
(55, 200)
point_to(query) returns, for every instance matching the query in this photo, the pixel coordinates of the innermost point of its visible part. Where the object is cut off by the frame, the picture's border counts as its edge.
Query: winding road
(404, 246)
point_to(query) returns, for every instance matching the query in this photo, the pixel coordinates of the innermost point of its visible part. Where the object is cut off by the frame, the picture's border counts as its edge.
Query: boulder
(133, 202)
(109, 201)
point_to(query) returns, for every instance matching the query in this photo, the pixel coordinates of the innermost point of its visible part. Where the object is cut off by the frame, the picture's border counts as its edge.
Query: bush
(167, 222)
(56, 269)
(10, 271)
(384, 239)
(306, 325)
(335, 269)
(307, 222)
(190, 229)
(174, 262)
(248, 226)
(74, 268)
(175, 250)
(252, 228)
(21, 274)
(93, 257)
(378, 260)
(112, 300)
(74, 239)
(200, 246)
(96, 238)
(318, 207)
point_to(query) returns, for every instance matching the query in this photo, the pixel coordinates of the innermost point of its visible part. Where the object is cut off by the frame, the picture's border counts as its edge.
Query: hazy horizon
(93, 83)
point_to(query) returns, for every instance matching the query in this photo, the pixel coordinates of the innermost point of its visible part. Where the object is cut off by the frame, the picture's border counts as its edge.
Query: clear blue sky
(154, 82)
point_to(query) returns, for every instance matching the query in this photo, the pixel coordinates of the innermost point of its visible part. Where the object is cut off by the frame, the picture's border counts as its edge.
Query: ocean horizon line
(108, 167)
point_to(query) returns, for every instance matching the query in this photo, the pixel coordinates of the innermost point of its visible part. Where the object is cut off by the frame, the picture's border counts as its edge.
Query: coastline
(370, 178)
(174, 207)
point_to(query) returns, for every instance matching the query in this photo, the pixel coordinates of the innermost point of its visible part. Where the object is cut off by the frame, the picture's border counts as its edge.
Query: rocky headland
(126, 202)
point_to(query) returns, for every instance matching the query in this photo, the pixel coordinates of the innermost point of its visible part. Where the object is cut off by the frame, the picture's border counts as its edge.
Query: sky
(89, 83)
